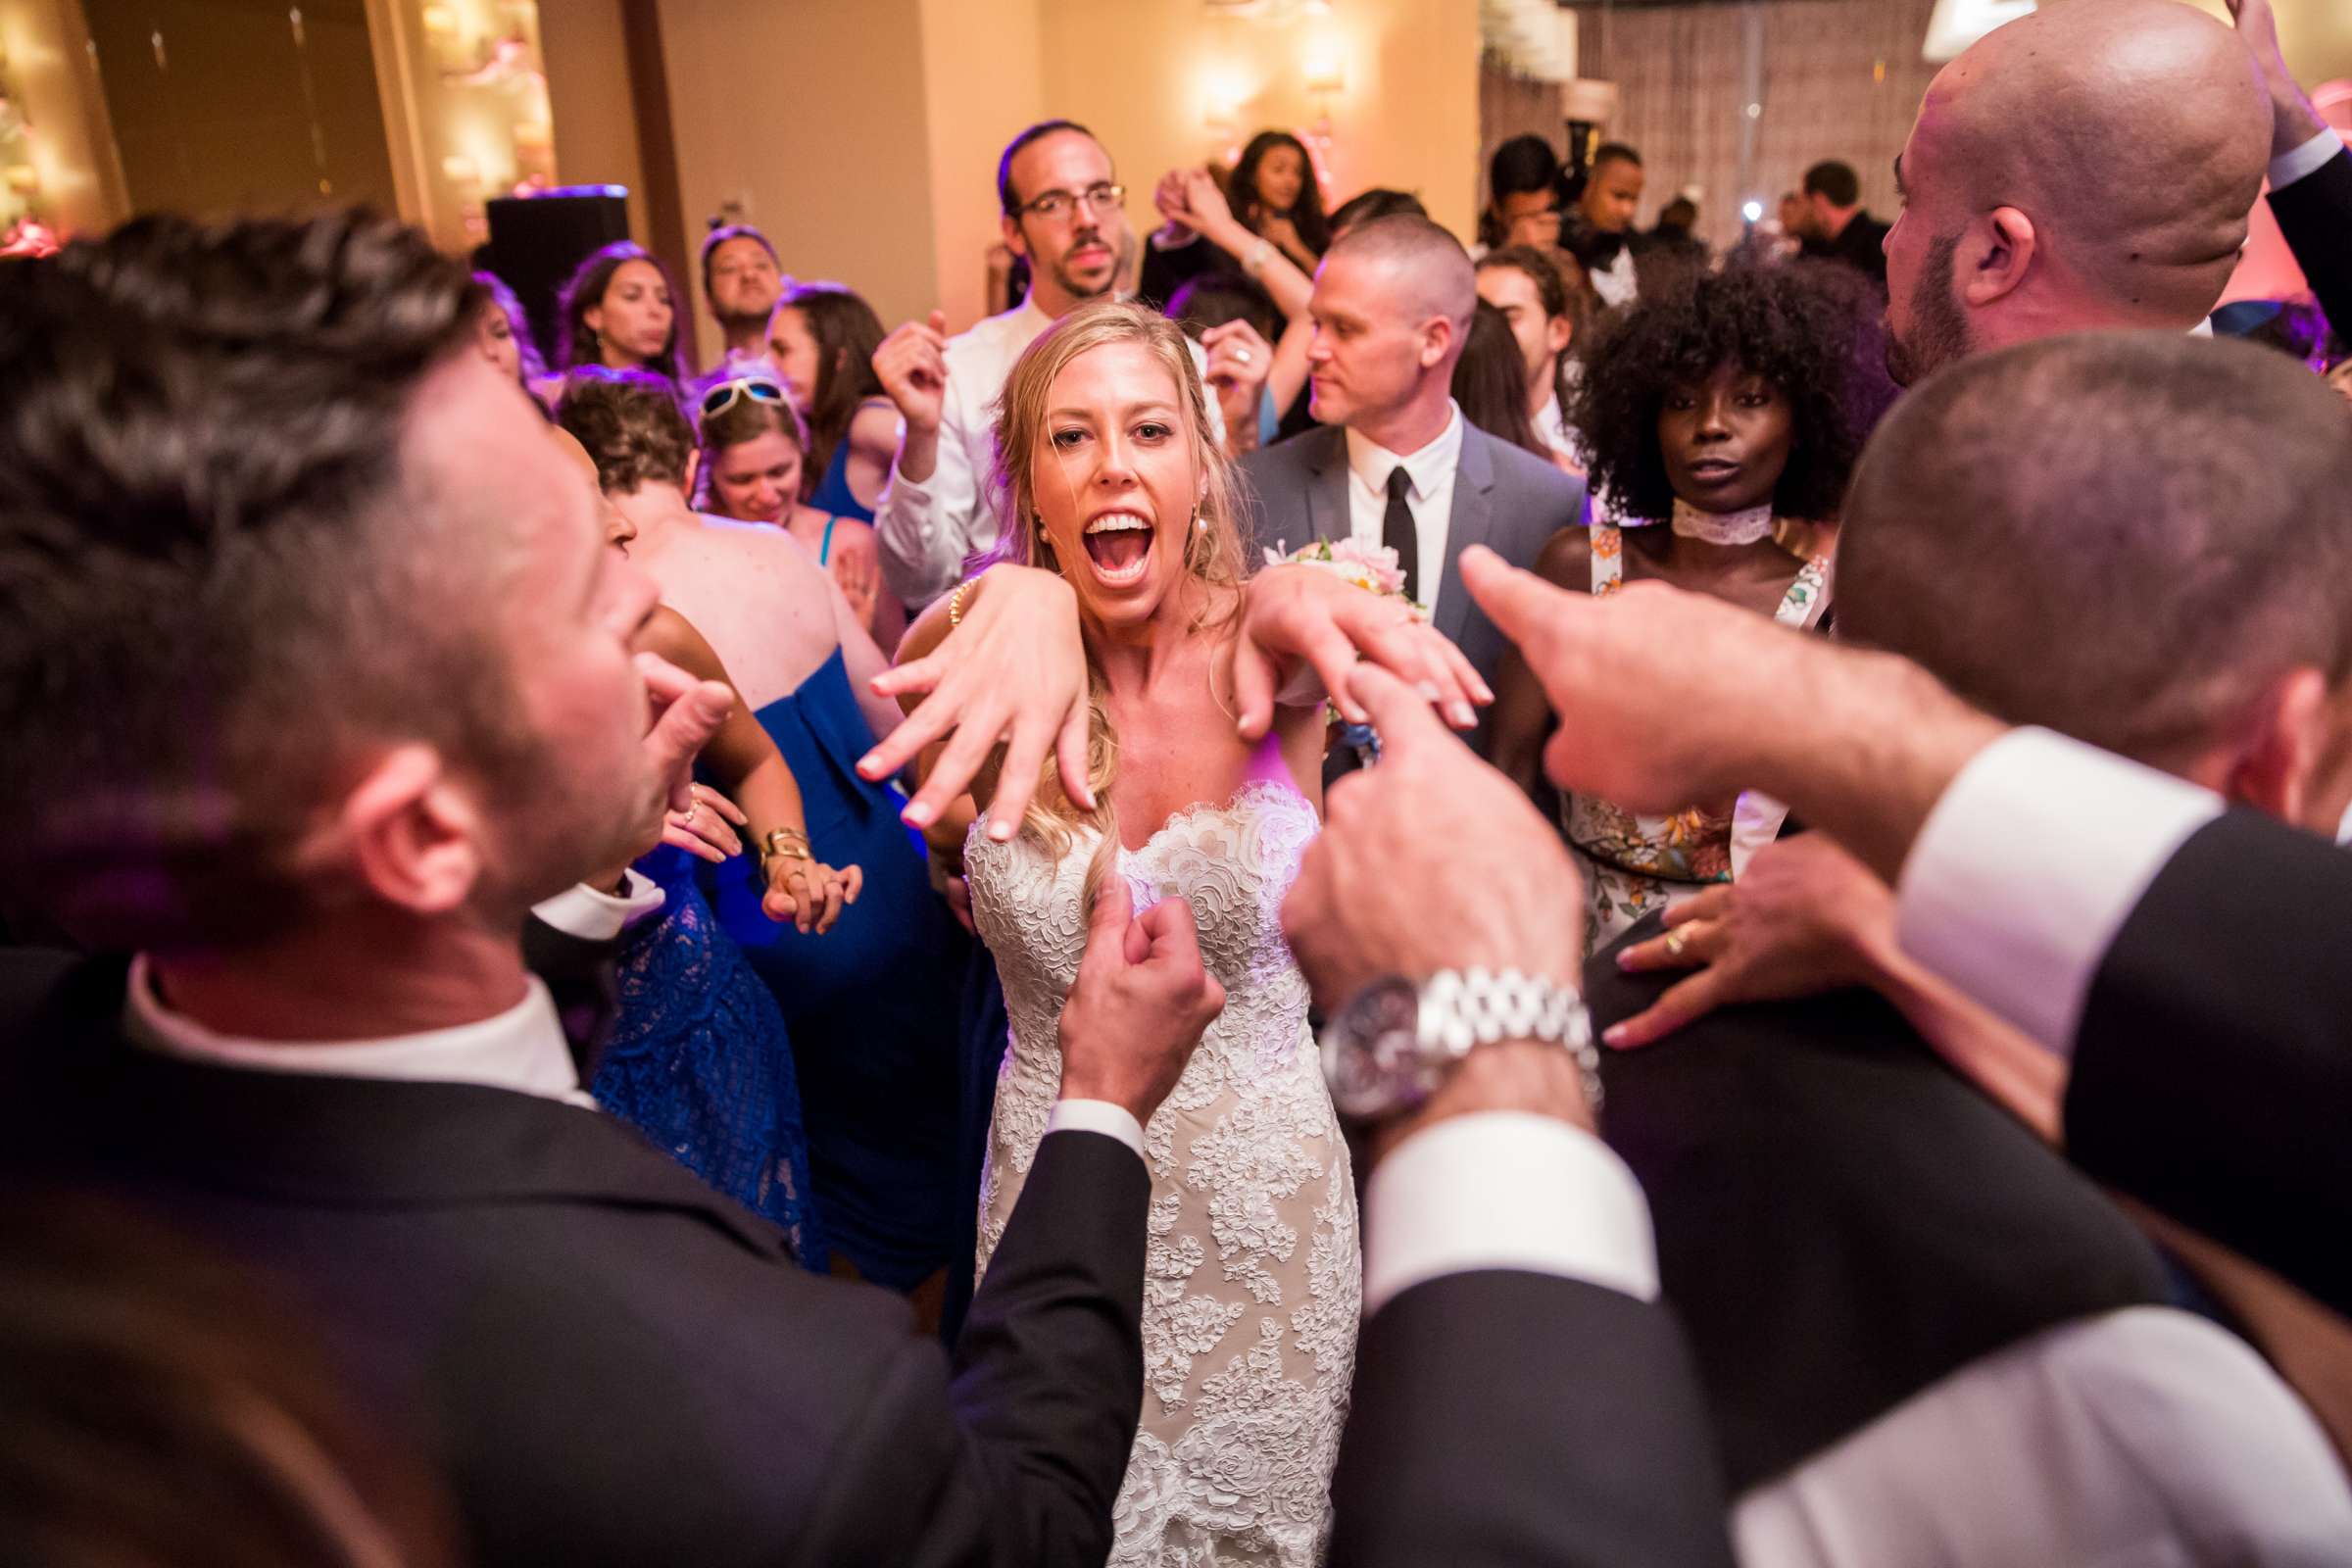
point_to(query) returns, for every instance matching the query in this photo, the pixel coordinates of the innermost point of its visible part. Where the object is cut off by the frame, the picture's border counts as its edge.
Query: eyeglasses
(724, 396)
(1056, 205)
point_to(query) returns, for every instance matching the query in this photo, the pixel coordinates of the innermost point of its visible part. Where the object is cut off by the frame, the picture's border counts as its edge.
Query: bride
(1250, 1291)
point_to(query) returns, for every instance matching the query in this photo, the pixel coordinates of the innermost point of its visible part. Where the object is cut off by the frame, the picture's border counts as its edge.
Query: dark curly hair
(575, 339)
(214, 564)
(1306, 215)
(1811, 328)
(631, 424)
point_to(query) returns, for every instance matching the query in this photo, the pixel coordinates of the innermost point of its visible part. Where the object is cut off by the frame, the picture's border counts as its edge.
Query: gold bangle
(786, 843)
(956, 603)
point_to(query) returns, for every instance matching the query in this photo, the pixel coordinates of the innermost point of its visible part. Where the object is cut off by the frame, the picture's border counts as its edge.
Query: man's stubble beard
(1938, 330)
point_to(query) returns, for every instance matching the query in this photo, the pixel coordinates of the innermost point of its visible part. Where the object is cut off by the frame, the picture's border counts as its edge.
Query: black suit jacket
(610, 1363)
(1509, 1418)
(2315, 215)
(2213, 1067)
(1841, 1219)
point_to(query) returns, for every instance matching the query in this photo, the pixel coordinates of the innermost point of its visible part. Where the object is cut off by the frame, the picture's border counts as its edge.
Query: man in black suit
(1394, 460)
(1832, 225)
(2310, 172)
(320, 677)
(2171, 959)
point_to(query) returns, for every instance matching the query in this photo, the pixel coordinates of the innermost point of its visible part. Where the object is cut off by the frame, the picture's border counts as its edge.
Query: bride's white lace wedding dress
(1253, 1278)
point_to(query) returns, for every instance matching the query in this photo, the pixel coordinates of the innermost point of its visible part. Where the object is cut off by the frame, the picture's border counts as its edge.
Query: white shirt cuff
(593, 916)
(1191, 237)
(1097, 1116)
(1506, 1190)
(2289, 166)
(2029, 866)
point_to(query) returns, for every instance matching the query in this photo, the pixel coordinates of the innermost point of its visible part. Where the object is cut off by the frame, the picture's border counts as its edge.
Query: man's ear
(1436, 337)
(1015, 241)
(694, 470)
(1996, 257)
(414, 838)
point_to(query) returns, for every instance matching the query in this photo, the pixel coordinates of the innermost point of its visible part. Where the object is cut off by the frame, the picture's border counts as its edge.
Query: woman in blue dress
(871, 1005)
(698, 1058)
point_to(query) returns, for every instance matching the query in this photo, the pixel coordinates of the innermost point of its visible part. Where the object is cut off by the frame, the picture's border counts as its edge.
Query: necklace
(1722, 528)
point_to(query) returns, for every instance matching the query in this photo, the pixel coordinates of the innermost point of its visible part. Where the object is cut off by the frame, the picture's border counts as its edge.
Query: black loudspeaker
(537, 241)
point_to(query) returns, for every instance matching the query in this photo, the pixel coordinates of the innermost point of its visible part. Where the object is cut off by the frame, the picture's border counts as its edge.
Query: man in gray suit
(1395, 462)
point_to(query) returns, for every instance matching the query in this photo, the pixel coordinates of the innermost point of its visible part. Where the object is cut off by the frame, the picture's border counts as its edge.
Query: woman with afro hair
(1726, 414)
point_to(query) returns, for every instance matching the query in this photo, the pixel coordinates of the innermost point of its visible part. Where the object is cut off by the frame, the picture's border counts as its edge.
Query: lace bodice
(1252, 1279)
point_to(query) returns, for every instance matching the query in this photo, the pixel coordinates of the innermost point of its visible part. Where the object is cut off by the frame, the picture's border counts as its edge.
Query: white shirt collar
(1551, 427)
(1372, 462)
(521, 1049)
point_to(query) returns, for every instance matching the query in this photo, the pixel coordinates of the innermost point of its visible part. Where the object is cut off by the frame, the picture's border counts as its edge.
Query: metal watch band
(1463, 1009)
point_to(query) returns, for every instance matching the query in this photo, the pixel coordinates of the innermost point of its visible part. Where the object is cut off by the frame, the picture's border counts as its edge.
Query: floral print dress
(1635, 863)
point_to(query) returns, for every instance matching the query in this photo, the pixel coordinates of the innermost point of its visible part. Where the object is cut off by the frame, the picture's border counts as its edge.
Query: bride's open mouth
(1119, 544)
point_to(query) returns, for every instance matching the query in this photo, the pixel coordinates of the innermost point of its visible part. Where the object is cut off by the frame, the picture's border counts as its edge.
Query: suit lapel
(1472, 521)
(1325, 488)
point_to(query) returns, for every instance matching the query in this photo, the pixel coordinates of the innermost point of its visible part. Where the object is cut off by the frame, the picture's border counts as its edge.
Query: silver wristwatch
(1387, 1050)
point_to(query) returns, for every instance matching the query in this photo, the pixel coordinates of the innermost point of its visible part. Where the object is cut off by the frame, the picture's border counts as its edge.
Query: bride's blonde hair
(1213, 545)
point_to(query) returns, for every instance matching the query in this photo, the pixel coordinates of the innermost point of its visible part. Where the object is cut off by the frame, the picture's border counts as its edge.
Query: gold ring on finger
(1677, 940)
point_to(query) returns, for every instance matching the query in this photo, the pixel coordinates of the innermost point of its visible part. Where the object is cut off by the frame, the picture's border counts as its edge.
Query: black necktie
(1398, 532)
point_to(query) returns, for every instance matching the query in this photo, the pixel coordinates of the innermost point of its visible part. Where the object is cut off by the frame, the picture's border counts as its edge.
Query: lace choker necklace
(1722, 528)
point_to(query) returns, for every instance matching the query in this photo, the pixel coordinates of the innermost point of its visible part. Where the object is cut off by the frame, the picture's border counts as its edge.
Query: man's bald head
(2089, 164)
(2123, 536)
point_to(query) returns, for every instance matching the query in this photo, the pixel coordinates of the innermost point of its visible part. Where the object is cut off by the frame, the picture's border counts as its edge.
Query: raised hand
(1169, 197)
(1293, 615)
(1238, 362)
(2293, 120)
(1139, 1005)
(1805, 918)
(913, 364)
(687, 712)
(858, 571)
(1209, 212)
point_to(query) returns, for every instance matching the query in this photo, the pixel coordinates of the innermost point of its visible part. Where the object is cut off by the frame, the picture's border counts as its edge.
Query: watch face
(1371, 1050)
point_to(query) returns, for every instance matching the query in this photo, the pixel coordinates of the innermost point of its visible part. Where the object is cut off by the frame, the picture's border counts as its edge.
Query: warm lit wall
(983, 70)
(588, 99)
(1148, 75)
(46, 49)
(803, 115)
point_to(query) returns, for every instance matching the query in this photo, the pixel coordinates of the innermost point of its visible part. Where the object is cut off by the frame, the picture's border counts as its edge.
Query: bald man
(2089, 165)
(1394, 462)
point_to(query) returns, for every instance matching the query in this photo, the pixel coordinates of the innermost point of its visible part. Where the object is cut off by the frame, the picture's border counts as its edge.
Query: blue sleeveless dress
(698, 1060)
(873, 1004)
(833, 493)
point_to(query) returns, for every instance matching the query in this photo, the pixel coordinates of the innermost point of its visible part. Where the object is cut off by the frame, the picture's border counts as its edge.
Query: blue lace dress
(873, 1004)
(698, 1060)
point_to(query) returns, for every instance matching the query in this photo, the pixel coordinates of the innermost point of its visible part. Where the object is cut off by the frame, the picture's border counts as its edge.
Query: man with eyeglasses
(1063, 211)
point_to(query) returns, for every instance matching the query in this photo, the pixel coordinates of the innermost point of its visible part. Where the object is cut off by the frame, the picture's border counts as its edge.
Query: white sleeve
(1097, 1116)
(2296, 162)
(924, 531)
(2028, 867)
(1506, 1190)
(583, 912)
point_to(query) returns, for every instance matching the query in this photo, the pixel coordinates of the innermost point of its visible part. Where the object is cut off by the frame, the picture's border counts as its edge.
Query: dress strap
(824, 546)
(1609, 557)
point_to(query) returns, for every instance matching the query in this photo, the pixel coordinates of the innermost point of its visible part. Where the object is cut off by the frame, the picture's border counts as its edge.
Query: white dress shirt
(2298, 161)
(1431, 471)
(2027, 866)
(2145, 1438)
(927, 531)
(1616, 283)
(1552, 428)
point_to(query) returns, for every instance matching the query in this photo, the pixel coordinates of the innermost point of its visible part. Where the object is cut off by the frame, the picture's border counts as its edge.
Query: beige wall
(983, 72)
(799, 112)
(588, 100)
(46, 47)
(1147, 76)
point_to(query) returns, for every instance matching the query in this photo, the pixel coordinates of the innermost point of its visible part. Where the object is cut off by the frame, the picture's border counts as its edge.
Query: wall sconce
(1326, 77)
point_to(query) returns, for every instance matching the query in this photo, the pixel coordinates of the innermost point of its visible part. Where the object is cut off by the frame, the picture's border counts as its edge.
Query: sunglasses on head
(723, 396)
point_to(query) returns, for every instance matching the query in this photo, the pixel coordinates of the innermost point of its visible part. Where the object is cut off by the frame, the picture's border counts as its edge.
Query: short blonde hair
(1213, 550)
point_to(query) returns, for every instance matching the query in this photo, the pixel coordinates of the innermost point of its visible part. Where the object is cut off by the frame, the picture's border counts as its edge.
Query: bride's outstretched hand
(1013, 670)
(1295, 613)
